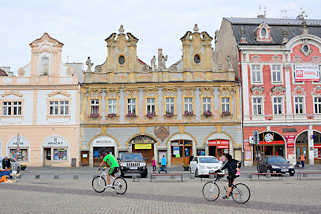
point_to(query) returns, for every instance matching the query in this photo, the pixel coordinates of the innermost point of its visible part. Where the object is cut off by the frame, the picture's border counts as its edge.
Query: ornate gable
(263, 33)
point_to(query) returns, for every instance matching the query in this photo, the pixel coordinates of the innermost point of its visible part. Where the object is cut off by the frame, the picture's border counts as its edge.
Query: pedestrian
(154, 164)
(6, 163)
(163, 164)
(302, 159)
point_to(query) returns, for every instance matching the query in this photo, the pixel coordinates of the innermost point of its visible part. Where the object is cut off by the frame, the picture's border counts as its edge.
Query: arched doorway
(317, 147)
(181, 147)
(55, 149)
(302, 146)
(271, 143)
(18, 148)
(145, 145)
(218, 144)
(100, 147)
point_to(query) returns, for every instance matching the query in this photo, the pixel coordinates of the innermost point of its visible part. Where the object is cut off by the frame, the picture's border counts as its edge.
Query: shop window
(112, 106)
(257, 105)
(12, 108)
(299, 105)
(256, 74)
(169, 105)
(59, 107)
(151, 107)
(19, 154)
(276, 74)
(317, 105)
(60, 154)
(131, 106)
(277, 105)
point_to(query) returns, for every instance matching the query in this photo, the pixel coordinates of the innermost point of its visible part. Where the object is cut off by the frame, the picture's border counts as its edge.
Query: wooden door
(47, 156)
(84, 158)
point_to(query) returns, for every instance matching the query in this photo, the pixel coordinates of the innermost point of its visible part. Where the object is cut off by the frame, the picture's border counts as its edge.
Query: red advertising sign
(290, 140)
(306, 72)
(221, 144)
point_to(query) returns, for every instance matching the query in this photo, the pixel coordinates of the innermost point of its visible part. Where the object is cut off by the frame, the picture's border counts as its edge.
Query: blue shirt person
(163, 161)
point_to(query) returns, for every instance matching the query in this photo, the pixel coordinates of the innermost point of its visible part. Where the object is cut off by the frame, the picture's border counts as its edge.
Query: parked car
(133, 163)
(15, 166)
(275, 164)
(202, 165)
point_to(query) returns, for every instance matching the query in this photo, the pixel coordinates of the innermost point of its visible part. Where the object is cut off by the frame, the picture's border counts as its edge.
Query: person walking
(154, 164)
(302, 159)
(163, 164)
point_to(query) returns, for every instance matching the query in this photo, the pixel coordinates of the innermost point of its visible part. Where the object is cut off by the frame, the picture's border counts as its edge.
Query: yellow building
(39, 112)
(189, 108)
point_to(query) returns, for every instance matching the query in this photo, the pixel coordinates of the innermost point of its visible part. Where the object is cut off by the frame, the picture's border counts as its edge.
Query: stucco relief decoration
(169, 91)
(161, 132)
(306, 48)
(226, 91)
(131, 92)
(21, 72)
(316, 59)
(206, 92)
(278, 90)
(299, 91)
(95, 93)
(188, 91)
(15, 93)
(112, 93)
(297, 59)
(276, 58)
(317, 90)
(256, 58)
(55, 93)
(152, 92)
(257, 90)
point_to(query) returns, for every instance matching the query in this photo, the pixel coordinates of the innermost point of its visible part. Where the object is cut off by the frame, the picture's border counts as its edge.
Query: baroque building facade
(189, 108)
(279, 64)
(39, 112)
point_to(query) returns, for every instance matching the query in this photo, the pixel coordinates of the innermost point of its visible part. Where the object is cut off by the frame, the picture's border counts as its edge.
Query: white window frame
(150, 105)
(274, 71)
(207, 104)
(112, 106)
(298, 103)
(94, 103)
(64, 107)
(170, 105)
(257, 71)
(131, 106)
(188, 104)
(319, 76)
(13, 105)
(225, 105)
(314, 103)
(255, 104)
(282, 105)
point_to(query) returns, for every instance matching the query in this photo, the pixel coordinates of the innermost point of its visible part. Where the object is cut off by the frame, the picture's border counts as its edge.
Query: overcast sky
(83, 25)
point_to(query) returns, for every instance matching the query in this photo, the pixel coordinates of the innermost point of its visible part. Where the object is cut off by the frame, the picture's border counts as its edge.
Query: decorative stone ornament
(121, 29)
(195, 29)
(161, 132)
(305, 48)
(268, 137)
(89, 64)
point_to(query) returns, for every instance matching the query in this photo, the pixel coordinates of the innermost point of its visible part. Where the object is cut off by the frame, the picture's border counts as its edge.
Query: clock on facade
(268, 137)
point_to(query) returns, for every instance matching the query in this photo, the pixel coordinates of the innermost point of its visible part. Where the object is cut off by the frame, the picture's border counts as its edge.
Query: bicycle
(99, 183)
(211, 191)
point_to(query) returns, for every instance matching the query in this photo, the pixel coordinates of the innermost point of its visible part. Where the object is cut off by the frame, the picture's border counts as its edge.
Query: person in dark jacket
(231, 165)
(6, 163)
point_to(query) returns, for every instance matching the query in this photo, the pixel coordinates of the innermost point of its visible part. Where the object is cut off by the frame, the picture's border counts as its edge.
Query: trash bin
(73, 162)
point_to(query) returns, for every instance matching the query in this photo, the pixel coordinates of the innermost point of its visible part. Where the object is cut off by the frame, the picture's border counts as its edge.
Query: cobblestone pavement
(76, 196)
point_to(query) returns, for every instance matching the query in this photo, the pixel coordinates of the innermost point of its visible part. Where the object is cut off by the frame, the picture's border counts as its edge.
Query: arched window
(263, 33)
(44, 70)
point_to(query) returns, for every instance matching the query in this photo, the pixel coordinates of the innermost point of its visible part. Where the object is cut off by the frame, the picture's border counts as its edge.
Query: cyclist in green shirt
(113, 165)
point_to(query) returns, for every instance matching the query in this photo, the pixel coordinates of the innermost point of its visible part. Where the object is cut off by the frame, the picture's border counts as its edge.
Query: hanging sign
(143, 146)
(307, 72)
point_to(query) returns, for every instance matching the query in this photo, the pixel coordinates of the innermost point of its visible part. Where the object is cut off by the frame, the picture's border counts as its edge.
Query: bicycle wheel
(99, 184)
(211, 191)
(120, 185)
(241, 193)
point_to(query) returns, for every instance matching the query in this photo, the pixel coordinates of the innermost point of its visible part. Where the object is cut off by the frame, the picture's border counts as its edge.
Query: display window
(60, 154)
(19, 154)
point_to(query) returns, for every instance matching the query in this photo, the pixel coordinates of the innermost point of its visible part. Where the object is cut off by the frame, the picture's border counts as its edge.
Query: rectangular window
(207, 104)
(257, 105)
(19, 155)
(169, 105)
(317, 105)
(12, 108)
(151, 107)
(112, 106)
(58, 107)
(131, 106)
(94, 107)
(225, 101)
(276, 74)
(277, 105)
(256, 74)
(188, 104)
(299, 105)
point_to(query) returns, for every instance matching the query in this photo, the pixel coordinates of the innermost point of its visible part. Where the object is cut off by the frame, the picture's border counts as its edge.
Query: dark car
(275, 164)
(133, 163)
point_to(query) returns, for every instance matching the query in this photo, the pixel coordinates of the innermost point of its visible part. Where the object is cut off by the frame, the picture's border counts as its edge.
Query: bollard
(182, 177)
(37, 176)
(76, 177)
(56, 176)
(151, 177)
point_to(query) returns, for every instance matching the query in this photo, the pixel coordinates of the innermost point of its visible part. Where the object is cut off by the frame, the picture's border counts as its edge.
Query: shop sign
(103, 141)
(306, 72)
(285, 130)
(55, 141)
(18, 142)
(221, 144)
(143, 146)
(176, 150)
(290, 140)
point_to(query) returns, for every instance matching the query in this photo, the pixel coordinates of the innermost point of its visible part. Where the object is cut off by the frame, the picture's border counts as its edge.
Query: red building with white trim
(279, 65)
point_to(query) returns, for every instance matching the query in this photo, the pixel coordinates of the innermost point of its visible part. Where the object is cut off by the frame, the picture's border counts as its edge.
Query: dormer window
(263, 33)
(44, 70)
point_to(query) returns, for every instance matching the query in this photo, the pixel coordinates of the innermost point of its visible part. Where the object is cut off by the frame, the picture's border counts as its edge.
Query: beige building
(39, 112)
(189, 108)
